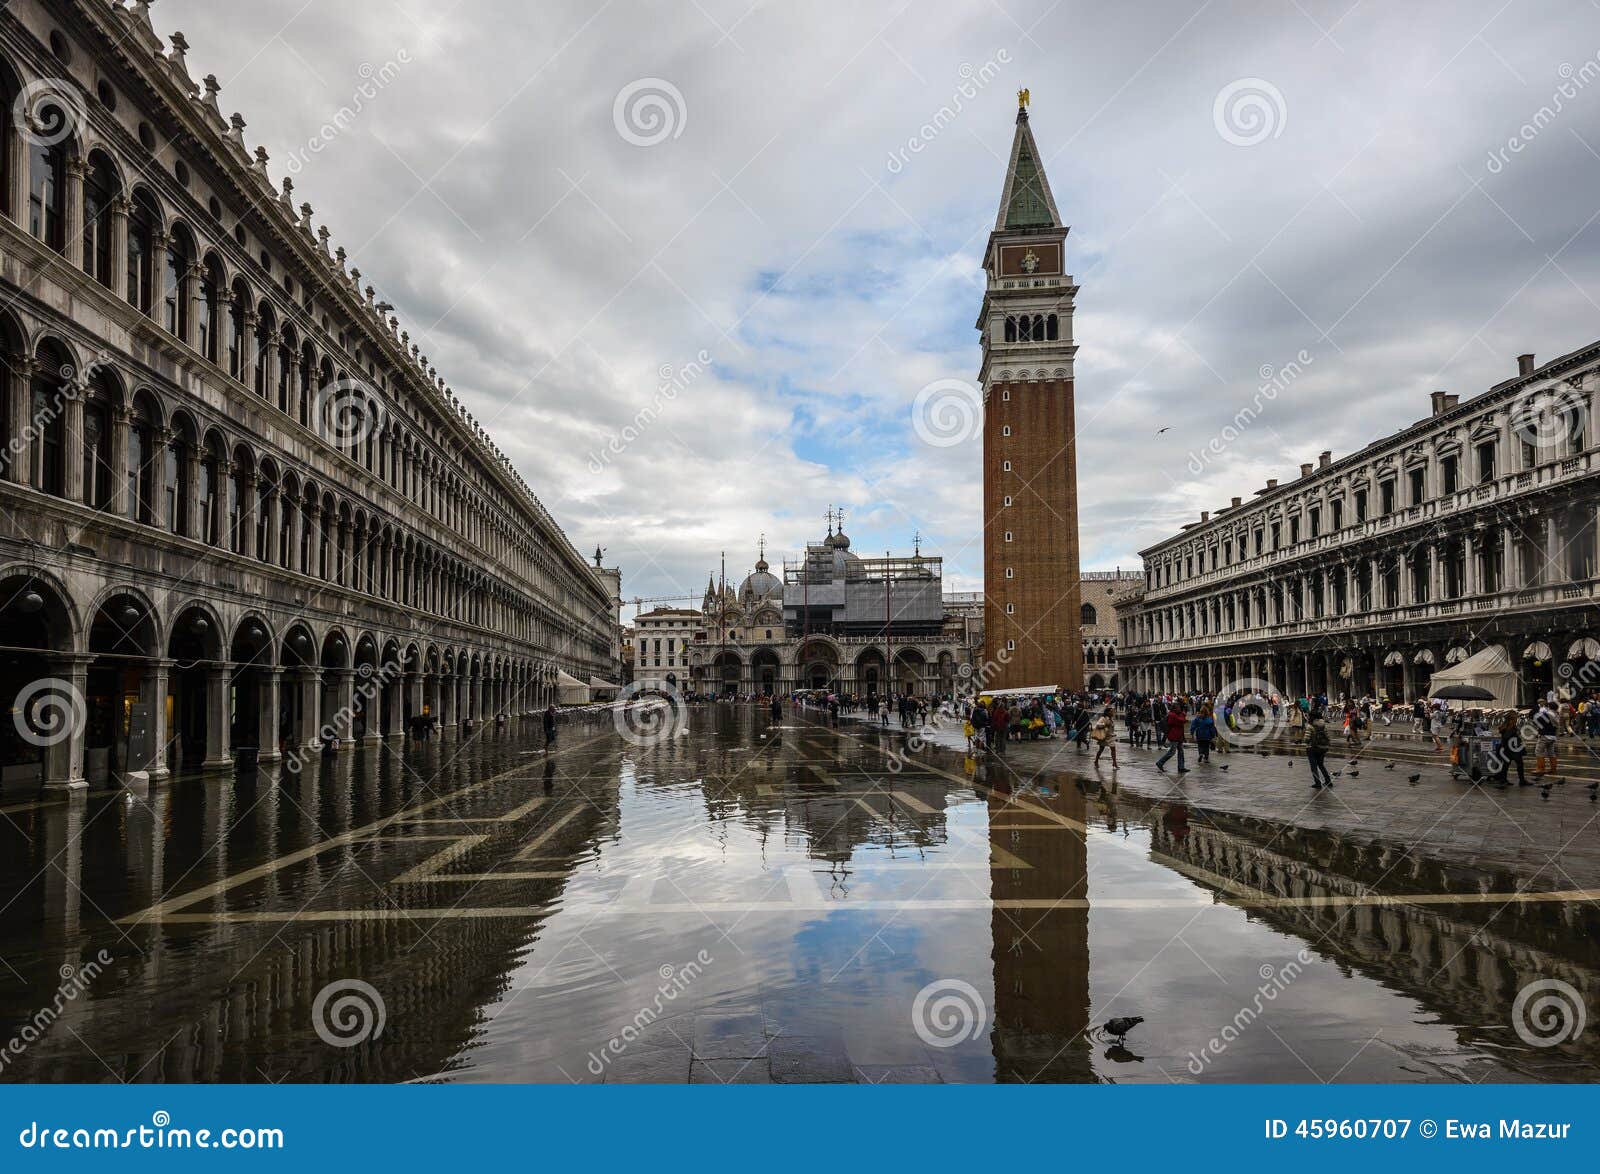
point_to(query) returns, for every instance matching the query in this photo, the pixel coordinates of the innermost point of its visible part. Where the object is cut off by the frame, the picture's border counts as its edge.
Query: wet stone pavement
(758, 901)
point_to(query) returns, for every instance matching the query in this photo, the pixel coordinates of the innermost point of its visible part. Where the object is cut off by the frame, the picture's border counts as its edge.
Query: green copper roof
(1028, 207)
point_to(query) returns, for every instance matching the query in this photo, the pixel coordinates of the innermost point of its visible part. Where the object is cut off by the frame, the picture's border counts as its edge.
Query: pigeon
(1413, 778)
(1594, 788)
(1159, 431)
(1561, 782)
(1388, 766)
(1223, 766)
(1355, 762)
(1338, 774)
(1355, 774)
(1544, 791)
(1122, 1025)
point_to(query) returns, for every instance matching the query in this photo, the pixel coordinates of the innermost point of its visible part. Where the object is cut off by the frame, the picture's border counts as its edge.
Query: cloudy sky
(568, 199)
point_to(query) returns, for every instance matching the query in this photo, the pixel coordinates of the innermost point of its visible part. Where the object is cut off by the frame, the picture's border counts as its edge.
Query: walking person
(1105, 733)
(1176, 721)
(1317, 744)
(1000, 727)
(1511, 749)
(550, 728)
(979, 720)
(1204, 728)
(1545, 727)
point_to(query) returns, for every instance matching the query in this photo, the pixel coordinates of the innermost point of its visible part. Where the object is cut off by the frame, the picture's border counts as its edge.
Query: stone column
(218, 717)
(19, 463)
(63, 756)
(121, 502)
(17, 170)
(247, 515)
(120, 207)
(309, 733)
(346, 679)
(1551, 569)
(191, 480)
(153, 695)
(447, 705)
(72, 430)
(413, 688)
(1469, 565)
(271, 678)
(73, 234)
(191, 296)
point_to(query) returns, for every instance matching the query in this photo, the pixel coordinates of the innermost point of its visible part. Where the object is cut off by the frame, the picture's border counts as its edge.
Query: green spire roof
(1026, 201)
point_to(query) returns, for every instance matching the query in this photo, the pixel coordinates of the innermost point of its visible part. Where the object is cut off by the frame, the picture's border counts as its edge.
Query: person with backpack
(1000, 726)
(1204, 728)
(1317, 745)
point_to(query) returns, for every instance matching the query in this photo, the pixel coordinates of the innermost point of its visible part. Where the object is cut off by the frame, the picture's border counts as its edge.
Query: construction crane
(639, 601)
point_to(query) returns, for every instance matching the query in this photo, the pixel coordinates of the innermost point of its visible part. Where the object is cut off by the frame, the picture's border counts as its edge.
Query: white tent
(1489, 669)
(603, 690)
(570, 690)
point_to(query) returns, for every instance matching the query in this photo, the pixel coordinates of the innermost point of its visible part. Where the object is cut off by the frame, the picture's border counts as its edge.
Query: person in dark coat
(550, 728)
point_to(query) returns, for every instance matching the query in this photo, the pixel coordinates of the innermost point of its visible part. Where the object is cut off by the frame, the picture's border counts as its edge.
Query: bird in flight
(1159, 431)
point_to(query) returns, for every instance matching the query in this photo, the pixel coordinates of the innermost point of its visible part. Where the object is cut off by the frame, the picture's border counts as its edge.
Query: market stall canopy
(1028, 691)
(570, 690)
(1490, 670)
(1585, 649)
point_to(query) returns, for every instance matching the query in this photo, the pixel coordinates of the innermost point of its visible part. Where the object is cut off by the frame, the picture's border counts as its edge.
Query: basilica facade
(834, 620)
(239, 509)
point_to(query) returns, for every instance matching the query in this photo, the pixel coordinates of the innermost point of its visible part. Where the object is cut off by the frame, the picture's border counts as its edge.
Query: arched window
(288, 503)
(208, 504)
(266, 326)
(99, 191)
(308, 366)
(1011, 328)
(264, 491)
(96, 449)
(1052, 328)
(174, 283)
(1087, 613)
(47, 190)
(238, 502)
(211, 284)
(48, 396)
(177, 481)
(286, 380)
(141, 455)
(238, 333)
(1038, 328)
(142, 222)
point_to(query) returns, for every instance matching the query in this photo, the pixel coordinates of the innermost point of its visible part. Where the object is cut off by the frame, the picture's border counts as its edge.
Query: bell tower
(1030, 481)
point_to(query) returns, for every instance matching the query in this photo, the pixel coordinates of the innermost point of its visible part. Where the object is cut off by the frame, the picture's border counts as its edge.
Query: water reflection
(755, 900)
